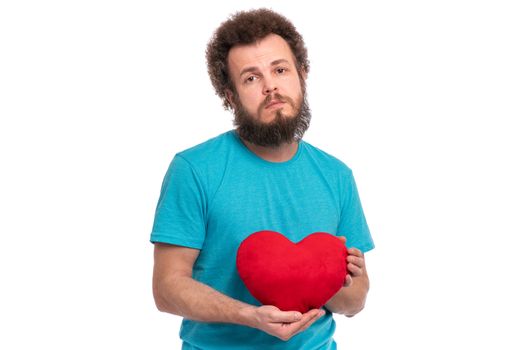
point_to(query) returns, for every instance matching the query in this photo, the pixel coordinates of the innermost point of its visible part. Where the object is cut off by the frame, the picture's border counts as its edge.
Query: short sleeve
(353, 223)
(180, 212)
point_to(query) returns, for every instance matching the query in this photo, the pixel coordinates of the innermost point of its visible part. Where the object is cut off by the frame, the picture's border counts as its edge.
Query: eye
(281, 70)
(250, 79)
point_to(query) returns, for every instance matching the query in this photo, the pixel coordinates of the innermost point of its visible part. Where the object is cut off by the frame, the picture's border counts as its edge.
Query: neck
(277, 154)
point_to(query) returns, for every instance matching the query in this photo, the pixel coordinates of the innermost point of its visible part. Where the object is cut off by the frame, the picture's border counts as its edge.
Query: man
(260, 176)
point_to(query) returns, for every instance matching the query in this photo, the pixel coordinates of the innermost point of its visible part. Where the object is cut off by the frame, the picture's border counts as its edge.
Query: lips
(273, 103)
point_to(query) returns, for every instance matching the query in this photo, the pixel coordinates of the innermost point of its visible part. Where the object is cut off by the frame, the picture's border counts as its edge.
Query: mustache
(282, 129)
(275, 96)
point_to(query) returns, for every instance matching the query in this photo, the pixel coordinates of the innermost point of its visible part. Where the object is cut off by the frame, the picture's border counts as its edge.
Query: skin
(176, 292)
(261, 69)
(351, 298)
(257, 70)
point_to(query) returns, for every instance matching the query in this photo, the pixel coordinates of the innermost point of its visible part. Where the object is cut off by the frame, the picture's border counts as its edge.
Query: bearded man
(259, 176)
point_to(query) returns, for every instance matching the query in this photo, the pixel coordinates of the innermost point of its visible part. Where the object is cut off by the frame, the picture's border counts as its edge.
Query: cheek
(250, 101)
(295, 89)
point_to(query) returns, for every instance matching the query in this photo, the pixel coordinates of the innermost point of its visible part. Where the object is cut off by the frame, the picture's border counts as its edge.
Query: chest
(292, 203)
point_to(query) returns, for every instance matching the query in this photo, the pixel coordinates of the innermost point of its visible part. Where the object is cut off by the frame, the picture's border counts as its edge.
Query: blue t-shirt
(217, 193)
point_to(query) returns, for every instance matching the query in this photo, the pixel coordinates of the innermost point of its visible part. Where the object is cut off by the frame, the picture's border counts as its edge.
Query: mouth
(274, 103)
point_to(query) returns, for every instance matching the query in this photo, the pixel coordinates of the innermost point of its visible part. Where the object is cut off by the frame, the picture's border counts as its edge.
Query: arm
(176, 292)
(351, 298)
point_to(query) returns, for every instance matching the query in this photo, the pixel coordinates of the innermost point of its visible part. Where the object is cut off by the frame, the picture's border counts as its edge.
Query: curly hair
(247, 27)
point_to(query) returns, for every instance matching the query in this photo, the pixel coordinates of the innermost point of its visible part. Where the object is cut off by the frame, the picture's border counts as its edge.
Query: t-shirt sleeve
(180, 212)
(353, 223)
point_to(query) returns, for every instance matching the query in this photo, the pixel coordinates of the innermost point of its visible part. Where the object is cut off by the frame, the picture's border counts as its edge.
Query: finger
(313, 320)
(285, 316)
(355, 260)
(342, 238)
(307, 317)
(354, 270)
(355, 252)
(348, 281)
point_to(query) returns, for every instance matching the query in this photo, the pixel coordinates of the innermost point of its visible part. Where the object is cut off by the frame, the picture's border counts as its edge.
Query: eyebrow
(254, 69)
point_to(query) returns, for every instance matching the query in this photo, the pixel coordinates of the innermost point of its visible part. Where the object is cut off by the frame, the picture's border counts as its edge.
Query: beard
(282, 129)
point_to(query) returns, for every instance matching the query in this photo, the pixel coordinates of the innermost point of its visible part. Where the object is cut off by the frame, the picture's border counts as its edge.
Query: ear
(229, 97)
(303, 73)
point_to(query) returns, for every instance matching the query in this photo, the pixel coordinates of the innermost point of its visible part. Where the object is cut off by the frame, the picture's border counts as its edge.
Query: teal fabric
(217, 193)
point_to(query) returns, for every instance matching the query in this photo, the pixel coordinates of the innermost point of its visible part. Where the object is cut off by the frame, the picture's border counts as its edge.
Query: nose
(269, 86)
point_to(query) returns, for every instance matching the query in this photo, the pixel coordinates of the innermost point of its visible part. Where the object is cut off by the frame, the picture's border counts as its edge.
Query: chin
(273, 115)
(268, 119)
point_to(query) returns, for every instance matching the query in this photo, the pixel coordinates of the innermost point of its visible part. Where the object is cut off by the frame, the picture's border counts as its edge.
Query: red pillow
(298, 277)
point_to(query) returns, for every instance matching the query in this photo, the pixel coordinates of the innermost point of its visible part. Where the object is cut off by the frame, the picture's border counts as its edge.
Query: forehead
(259, 54)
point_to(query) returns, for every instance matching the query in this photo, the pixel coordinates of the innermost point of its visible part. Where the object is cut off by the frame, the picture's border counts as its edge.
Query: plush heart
(291, 276)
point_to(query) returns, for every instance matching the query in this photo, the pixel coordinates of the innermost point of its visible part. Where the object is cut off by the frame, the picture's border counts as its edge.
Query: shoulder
(207, 161)
(326, 161)
(212, 147)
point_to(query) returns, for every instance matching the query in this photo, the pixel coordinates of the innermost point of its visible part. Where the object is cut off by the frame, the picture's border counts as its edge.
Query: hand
(284, 324)
(356, 263)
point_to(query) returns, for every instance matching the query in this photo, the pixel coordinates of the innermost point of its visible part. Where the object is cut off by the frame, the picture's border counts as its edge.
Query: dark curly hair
(247, 27)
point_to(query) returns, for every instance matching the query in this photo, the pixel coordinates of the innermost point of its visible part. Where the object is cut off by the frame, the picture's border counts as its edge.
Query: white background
(422, 99)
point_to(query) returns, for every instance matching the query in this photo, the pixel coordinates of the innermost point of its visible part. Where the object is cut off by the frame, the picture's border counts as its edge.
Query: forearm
(186, 297)
(349, 301)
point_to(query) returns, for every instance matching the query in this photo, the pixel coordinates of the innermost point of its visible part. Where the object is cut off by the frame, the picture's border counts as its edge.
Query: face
(269, 102)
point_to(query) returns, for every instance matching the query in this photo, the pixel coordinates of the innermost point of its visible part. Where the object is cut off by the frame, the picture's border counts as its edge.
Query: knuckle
(271, 315)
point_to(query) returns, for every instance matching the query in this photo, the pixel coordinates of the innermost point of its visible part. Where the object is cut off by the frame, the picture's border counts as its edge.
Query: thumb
(287, 317)
(342, 238)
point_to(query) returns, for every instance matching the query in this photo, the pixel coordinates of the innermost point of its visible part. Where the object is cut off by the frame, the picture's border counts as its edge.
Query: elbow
(160, 305)
(159, 300)
(160, 297)
(165, 294)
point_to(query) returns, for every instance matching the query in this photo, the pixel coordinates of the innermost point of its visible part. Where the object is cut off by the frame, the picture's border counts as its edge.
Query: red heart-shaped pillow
(298, 277)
